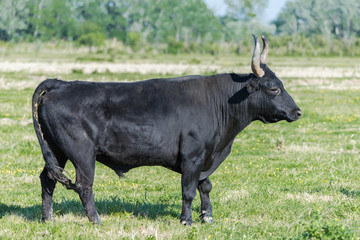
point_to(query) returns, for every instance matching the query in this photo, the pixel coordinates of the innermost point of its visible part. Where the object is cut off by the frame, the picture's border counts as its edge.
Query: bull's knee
(205, 186)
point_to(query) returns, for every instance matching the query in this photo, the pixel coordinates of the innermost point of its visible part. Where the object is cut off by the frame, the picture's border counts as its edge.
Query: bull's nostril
(298, 114)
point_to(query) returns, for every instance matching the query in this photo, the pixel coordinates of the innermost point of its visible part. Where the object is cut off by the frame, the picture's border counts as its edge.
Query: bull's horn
(265, 51)
(255, 62)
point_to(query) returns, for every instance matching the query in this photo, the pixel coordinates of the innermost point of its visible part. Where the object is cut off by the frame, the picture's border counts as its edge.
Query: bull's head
(268, 98)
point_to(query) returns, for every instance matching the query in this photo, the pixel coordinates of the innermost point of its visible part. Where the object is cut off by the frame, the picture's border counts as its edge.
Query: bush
(174, 46)
(133, 40)
(91, 39)
(327, 230)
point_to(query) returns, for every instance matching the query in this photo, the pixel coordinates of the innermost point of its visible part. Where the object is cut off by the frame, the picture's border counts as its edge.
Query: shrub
(91, 39)
(133, 40)
(326, 230)
(174, 46)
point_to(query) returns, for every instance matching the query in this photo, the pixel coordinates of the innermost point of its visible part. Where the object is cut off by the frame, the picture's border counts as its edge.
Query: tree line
(303, 27)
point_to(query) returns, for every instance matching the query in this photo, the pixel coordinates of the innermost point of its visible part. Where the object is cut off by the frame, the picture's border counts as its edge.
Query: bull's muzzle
(294, 115)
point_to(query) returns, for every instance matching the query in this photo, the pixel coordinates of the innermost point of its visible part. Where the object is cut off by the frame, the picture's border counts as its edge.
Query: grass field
(296, 180)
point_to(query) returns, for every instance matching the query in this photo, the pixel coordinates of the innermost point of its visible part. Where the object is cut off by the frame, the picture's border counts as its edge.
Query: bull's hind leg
(47, 190)
(204, 188)
(85, 171)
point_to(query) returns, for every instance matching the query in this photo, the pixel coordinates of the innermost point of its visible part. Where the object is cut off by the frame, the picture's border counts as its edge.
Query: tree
(245, 9)
(186, 21)
(54, 19)
(13, 19)
(116, 24)
(90, 34)
(243, 18)
(325, 17)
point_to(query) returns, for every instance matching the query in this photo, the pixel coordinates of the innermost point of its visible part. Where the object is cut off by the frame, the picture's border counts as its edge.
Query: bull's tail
(51, 163)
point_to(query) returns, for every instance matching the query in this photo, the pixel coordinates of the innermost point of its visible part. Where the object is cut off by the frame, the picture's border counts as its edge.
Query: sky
(273, 8)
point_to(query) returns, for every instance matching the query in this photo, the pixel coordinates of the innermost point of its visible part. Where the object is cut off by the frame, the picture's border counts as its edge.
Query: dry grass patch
(306, 197)
(9, 121)
(9, 83)
(327, 83)
(101, 67)
(234, 195)
(317, 149)
(304, 148)
(317, 72)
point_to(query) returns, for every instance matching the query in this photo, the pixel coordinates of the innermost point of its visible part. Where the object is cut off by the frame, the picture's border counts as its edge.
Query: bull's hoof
(206, 217)
(186, 222)
(47, 219)
(95, 220)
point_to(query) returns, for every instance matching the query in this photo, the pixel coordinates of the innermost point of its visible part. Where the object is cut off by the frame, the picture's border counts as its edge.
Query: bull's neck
(233, 113)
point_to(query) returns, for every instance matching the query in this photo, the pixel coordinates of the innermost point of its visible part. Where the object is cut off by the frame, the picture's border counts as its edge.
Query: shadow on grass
(104, 206)
(350, 193)
(31, 213)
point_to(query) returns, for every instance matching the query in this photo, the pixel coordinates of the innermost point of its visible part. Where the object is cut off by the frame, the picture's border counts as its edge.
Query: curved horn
(265, 51)
(255, 62)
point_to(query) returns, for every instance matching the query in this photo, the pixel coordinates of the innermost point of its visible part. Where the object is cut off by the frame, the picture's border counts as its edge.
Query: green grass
(286, 180)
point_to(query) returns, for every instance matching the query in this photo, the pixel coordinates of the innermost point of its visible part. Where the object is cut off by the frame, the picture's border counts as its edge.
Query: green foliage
(91, 39)
(77, 71)
(194, 61)
(13, 19)
(154, 20)
(322, 228)
(330, 27)
(245, 9)
(303, 28)
(328, 18)
(174, 46)
(326, 230)
(90, 34)
(52, 20)
(133, 40)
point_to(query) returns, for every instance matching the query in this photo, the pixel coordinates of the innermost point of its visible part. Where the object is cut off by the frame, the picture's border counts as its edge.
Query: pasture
(297, 180)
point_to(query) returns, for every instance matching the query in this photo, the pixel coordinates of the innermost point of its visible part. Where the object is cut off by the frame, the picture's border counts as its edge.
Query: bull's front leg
(191, 169)
(188, 183)
(204, 188)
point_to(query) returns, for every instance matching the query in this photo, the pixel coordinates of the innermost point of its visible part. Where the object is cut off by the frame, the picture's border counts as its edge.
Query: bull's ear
(252, 86)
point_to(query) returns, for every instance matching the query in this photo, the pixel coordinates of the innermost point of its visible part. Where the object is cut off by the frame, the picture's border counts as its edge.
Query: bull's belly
(138, 157)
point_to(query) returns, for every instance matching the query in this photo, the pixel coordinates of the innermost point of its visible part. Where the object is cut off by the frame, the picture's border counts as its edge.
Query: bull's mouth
(269, 119)
(289, 117)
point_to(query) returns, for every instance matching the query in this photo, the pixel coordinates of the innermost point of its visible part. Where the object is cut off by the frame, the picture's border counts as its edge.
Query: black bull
(186, 124)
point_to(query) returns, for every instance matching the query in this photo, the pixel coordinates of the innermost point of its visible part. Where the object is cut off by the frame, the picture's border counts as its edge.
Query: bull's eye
(275, 90)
